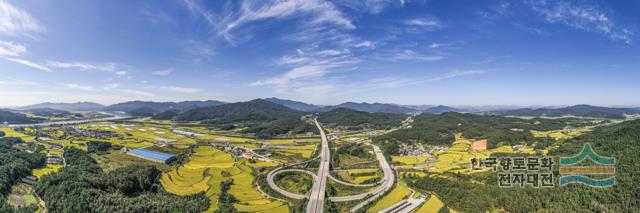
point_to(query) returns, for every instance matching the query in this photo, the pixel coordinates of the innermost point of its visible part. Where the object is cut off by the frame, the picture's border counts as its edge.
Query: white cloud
(80, 87)
(585, 17)
(30, 64)
(435, 45)
(364, 44)
(182, 89)
(11, 49)
(108, 67)
(15, 21)
(162, 72)
(412, 55)
(13, 81)
(136, 92)
(427, 23)
(456, 74)
(318, 12)
(307, 65)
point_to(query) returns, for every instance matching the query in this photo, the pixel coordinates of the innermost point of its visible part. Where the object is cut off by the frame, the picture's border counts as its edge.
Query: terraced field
(396, 195)
(433, 205)
(9, 132)
(409, 160)
(207, 168)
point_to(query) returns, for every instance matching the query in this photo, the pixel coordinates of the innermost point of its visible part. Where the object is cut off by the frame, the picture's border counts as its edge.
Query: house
(479, 145)
(247, 155)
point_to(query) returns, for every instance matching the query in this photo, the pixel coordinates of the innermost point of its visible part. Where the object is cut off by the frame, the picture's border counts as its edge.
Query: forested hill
(440, 129)
(297, 105)
(255, 110)
(621, 141)
(264, 118)
(577, 110)
(15, 165)
(355, 118)
(13, 118)
(155, 107)
(82, 186)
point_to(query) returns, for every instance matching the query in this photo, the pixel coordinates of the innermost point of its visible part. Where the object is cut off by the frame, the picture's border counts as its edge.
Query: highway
(316, 199)
(388, 180)
(317, 195)
(275, 187)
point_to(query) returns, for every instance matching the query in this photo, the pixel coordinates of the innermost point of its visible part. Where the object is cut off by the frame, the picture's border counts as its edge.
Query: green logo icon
(571, 173)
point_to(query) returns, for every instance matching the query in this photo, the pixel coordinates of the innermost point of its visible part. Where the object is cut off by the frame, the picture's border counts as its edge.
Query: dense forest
(82, 186)
(360, 119)
(621, 141)
(440, 129)
(264, 118)
(15, 165)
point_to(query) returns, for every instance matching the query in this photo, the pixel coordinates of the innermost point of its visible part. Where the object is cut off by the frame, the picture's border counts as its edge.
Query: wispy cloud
(11, 49)
(423, 22)
(318, 12)
(136, 92)
(307, 65)
(585, 17)
(15, 21)
(108, 67)
(182, 89)
(80, 87)
(412, 55)
(162, 72)
(30, 64)
(13, 81)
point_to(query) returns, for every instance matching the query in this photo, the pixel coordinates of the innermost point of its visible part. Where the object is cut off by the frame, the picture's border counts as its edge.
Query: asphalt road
(316, 199)
(388, 178)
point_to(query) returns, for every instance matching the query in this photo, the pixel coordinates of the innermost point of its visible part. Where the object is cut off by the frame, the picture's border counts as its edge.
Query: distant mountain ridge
(442, 109)
(581, 110)
(155, 107)
(77, 106)
(371, 107)
(297, 105)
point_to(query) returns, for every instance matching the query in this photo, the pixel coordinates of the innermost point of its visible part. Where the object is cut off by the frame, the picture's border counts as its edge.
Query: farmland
(207, 168)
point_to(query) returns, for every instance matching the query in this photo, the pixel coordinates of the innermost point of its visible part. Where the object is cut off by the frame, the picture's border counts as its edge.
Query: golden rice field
(559, 134)
(9, 132)
(204, 173)
(50, 168)
(294, 152)
(398, 194)
(409, 160)
(353, 173)
(433, 205)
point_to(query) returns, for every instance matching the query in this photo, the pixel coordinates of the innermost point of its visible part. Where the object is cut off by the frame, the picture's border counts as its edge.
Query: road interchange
(316, 198)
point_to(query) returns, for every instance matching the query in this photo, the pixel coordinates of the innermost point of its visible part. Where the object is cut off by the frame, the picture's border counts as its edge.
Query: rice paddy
(399, 193)
(207, 167)
(433, 205)
(410, 160)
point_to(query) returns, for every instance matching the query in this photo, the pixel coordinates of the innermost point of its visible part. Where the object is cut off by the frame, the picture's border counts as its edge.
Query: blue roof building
(152, 155)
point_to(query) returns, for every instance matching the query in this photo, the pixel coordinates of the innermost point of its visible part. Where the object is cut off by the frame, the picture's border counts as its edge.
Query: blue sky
(462, 52)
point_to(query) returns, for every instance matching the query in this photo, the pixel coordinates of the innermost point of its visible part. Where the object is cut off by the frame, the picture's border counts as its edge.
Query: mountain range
(78, 106)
